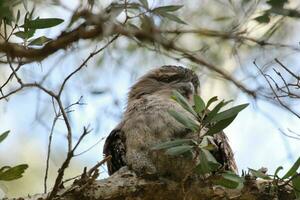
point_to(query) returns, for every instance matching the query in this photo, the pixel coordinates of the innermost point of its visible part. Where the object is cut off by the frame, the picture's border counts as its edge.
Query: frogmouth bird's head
(165, 79)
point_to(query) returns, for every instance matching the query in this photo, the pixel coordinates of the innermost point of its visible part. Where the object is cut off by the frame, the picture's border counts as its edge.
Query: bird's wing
(224, 153)
(115, 146)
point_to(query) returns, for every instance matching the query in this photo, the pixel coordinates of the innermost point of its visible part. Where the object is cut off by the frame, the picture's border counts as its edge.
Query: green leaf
(173, 143)
(208, 143)
(230, 180)
(203, 167)
(4, 168)
(277, 3)
(285, 12)
(4, 135)
(187, 122)
(259, 174)
(296, 185)
(18, 17)
(293, 170)
(21, 34)
(207, 162)
(209, 156)
(220, 125)
(211, 100)
(173, 18)
(164, 9)
(226, 183)
(277, 171)
(183, 102)
(42, 23)
(25, 34)
(6, 12)
(199, 104)
(175, 151)
(12, 173)
(214, 111)
(40, 41)
(144, 3)
(220, 19)
(229, 113)
(265, 18)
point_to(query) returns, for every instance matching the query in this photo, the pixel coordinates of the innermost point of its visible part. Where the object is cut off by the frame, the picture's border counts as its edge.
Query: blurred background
(257, 136)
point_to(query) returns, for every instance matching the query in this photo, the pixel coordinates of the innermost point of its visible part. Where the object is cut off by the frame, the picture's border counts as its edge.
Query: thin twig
(90, 172)
(49, 152)
(88, 149)
(274, 92)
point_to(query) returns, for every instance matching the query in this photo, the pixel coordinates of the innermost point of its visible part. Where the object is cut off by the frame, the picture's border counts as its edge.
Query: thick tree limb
(62, 42)
(105, 29)
(126, 185)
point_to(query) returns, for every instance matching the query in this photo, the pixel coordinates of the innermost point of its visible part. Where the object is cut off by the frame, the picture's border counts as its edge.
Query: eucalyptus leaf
(227, 183)
(209, 156)
(183, 102)
(173, 143)
(25, 34)
(203, 167)
(230, 180)
(18, 16)
(277, 171)
(173, 18)
(40, 41)
(42, 23)
(220, 125)
(293, 170)
(2, 169)
(234, 177)
(207, 163)
(187, 122)
(229, 113)
(285, 12)
(296, 185)
(265, 18)
(3, 135)
(277, 3)
(13, 173)
(199, 104)
(211, 100)
(178, 150)
(164, 9)
(213, 112)
(208, 143)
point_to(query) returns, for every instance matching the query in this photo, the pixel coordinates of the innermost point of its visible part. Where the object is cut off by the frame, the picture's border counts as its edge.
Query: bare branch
(274, 92)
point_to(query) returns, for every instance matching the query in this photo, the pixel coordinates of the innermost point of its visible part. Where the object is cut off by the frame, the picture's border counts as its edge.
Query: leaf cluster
(277, 9)
(24, 30)
(215, 121)
(210, 120)
(290, 178)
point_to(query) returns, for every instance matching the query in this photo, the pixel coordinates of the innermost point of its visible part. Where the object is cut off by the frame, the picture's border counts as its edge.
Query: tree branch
(125, 184)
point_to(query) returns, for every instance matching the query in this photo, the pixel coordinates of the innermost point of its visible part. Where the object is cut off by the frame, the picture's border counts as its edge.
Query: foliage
(8, 173)
(27, 29)
(213, 122)
(291, 177)
(145, 24)
(277, 9)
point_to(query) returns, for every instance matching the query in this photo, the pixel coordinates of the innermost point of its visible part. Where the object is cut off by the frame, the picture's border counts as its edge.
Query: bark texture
(124, 184)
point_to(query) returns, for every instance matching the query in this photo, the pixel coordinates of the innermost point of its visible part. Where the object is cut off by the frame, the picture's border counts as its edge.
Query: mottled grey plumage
(146, 122)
